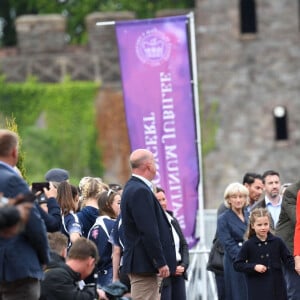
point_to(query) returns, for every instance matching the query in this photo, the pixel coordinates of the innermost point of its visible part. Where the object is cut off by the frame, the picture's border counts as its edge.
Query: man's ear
(14, 153)
(64, 253)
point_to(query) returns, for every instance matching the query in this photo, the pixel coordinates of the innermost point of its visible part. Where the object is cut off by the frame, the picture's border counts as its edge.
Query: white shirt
(147, 182)
(274, 209)
(175, 238)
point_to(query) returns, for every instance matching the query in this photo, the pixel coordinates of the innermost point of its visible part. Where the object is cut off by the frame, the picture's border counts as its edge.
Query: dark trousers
(292, 283)
(173, 288)
(220, 283)
(22, 289)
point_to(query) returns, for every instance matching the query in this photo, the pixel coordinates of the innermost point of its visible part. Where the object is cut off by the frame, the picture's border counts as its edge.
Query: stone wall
(42, 50)
(248, 78)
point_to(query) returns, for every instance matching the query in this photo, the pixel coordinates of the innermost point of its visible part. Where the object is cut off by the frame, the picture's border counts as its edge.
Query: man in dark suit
(149, 249)
(21, 256)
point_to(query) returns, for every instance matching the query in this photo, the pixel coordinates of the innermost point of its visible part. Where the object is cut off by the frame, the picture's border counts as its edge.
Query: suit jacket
(148, 239)
(11, 184)
(23, 255)
(230, 231)
(183, 247)
(287, 219)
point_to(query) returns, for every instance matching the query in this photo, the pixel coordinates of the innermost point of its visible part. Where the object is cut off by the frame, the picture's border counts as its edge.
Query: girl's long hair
(256, 213)
(105, 202)
(66, 197)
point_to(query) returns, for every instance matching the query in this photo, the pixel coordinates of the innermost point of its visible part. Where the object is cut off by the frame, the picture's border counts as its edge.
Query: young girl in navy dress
(261, 258)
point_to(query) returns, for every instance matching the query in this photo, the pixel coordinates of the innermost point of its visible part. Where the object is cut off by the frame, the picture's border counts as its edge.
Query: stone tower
(249, 73)
(248, 65)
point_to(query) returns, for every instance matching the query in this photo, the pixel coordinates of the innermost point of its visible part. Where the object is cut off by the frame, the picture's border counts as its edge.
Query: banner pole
(200, 221)
(201, 260)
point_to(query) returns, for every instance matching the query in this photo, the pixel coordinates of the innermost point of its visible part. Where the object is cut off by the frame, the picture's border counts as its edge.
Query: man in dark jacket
(21, 256)
(62, 279)
(285, 229)
(148, 245)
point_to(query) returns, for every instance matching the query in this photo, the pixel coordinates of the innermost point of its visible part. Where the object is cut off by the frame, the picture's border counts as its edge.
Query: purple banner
(158, 95)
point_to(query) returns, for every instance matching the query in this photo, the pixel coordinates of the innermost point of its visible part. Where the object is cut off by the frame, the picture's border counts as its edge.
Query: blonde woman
(231, 227)
(90, 188)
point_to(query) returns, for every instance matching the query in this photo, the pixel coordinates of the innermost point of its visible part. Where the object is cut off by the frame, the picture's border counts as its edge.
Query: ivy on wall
(57, 125)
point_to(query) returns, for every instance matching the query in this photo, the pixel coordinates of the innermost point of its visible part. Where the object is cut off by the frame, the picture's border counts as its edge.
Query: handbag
(215, 258)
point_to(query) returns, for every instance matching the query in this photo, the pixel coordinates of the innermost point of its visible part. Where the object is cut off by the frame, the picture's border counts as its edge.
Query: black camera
(39, 187)
(41, 198)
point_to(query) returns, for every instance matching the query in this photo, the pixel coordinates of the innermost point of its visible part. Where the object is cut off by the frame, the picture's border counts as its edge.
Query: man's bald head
(142, 163)
(139, 157)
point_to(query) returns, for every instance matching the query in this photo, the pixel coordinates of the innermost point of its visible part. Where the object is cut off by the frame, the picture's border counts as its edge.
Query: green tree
(76, 11)
(57, 126)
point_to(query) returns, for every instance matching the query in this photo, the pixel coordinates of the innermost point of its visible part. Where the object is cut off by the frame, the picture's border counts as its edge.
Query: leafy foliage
(76, 11)
(57, 125)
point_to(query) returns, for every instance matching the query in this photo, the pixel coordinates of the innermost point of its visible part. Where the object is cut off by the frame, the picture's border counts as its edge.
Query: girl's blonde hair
(256, 213)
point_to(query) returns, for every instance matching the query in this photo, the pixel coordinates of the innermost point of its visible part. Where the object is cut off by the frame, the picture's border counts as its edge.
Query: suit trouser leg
(293, 284)
(144, 287)
(174, 289)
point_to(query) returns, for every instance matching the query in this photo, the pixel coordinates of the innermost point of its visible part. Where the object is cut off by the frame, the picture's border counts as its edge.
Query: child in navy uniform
(261, 258)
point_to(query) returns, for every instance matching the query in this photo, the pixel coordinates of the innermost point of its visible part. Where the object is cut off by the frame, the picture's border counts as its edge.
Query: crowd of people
(258, 227)
(92, 240)
(98, 240)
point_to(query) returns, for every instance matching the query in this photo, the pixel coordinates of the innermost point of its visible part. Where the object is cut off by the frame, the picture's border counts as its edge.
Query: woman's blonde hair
(233, 189)
(91, 187)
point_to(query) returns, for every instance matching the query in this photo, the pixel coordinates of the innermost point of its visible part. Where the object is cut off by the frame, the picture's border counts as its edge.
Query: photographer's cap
(57, 175)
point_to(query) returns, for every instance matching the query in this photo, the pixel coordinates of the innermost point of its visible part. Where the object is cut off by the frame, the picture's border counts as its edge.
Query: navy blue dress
(271, 253)
(230, 231)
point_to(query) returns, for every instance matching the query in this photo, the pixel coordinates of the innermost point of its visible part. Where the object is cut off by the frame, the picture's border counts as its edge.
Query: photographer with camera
(61, 279)
(47, 205)
(46, 198)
